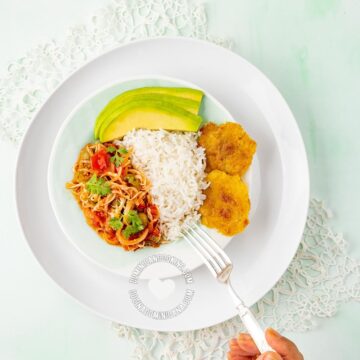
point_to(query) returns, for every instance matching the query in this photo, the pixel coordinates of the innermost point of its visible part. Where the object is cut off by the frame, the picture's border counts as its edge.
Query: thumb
(285, 347)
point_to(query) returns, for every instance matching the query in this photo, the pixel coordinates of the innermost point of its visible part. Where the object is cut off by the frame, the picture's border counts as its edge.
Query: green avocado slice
(185, 104)
(150, 114)
(189, 99)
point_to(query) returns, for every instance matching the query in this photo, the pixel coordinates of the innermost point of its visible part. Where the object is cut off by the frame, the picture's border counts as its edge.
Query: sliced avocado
(192, 96)
(185, 104)
(150, 114)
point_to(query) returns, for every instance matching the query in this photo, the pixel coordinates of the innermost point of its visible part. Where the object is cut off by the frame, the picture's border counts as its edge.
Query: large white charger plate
(265, 249)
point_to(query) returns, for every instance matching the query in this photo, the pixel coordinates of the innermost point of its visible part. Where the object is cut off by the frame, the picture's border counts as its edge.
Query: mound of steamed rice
(175, 165)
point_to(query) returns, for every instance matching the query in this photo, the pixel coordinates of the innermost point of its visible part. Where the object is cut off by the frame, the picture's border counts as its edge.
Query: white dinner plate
(260, 255)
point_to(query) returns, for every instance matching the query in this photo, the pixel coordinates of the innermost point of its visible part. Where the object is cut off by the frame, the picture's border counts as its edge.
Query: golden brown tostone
(228, 148)
(227, 203)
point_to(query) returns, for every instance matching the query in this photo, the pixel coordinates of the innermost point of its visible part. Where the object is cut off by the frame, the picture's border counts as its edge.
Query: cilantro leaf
(98, 186)
(135, 224)
(122, 151)
(129, 230)
(111, 149)
(134, 218)
(117, 160)
(115, 223)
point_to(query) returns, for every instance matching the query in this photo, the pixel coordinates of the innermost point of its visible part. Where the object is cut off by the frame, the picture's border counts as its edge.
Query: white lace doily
(322, 275)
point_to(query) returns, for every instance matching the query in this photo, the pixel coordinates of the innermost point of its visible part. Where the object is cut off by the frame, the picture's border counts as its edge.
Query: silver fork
(221, 266)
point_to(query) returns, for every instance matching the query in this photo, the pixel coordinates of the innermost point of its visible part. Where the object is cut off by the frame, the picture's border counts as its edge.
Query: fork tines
(215, 258)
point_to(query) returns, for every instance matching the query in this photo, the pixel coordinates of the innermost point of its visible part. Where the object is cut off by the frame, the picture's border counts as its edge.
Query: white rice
(175, 165)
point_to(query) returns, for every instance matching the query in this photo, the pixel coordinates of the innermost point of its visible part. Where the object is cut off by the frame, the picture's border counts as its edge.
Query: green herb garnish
(98, 186)
(122, 151)
(116, 159)
(130, 178)
(133, 181)
(115, 223)
(111, 149)
(135, 224)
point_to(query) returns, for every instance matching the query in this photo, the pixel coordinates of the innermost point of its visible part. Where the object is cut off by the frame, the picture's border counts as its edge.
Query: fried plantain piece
(228, 148)
(227, 204)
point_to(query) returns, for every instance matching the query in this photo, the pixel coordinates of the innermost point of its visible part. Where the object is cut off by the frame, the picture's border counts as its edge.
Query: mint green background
(310, 49)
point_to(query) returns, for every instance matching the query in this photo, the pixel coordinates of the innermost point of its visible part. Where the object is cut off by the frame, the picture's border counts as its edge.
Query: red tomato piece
(100, 161)
(124, 171)
(156, 232)
(98, 218)
(153, 210)
(141, 207)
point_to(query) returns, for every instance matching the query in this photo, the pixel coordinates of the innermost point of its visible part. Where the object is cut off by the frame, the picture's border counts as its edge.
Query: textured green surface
(310, 49)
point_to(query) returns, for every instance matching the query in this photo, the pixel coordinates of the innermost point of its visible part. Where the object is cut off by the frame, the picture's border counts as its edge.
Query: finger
(282, 345)
(269, 356)
(232, 356)
(235, 349)
(247, 345)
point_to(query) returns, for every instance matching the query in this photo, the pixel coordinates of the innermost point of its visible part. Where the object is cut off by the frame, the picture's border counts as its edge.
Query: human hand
(244, 348)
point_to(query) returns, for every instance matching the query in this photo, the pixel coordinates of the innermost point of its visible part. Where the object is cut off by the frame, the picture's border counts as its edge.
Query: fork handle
(251, 324)
(254, 328)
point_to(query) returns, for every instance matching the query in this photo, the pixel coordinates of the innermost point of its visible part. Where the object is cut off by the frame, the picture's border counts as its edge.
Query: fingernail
(244, 337)
(273, 332)
(271, 356)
